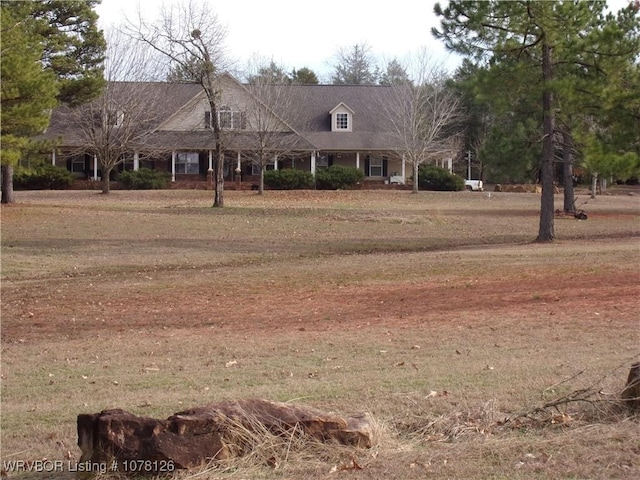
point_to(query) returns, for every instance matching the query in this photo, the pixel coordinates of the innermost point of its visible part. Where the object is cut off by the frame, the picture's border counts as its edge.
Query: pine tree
(74, 47)
(562, 39)
(395, 74)
(28, 92)
(304, 76)
(355, 67)
(52, 51)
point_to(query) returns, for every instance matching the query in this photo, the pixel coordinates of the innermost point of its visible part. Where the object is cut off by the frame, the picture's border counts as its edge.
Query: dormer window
(342, 121)
(341, 118)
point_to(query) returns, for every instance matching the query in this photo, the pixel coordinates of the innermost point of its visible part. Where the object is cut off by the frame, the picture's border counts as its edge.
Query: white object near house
(474, 185)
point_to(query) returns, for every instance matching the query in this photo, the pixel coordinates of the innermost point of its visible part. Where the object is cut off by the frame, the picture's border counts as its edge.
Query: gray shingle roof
(370, 125)
(311, 118)
(163, 97)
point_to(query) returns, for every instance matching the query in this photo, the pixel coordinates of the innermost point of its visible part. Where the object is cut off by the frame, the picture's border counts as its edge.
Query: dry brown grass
(433, 312)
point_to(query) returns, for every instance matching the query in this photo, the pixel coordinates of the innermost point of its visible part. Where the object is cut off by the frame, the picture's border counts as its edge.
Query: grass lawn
(434, 312)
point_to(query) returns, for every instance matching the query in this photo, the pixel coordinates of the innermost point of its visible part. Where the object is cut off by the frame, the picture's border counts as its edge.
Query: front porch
(193, 170)
(250, 184)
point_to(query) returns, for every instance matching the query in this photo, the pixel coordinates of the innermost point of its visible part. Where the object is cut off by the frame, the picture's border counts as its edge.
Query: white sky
(299, 33)
(302, 33)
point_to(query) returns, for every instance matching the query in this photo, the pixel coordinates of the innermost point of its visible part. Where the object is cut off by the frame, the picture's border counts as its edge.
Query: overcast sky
(298, 33)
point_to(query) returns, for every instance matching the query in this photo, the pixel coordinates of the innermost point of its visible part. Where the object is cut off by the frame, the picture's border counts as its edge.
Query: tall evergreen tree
(74, 47)
(272, 73)
(549, 35)
(501, 125)
(28, 92)
(304, 76)
(355, 67)
(395, 74)
(52, 52)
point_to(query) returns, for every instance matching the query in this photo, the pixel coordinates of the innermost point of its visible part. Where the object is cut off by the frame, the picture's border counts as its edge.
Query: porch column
(95, 167)
(136, 161)
(404, 163)
(358, 160)
(210, 160)
(239, 172)
(275, 162)
(173, 166)
(53, 157)
(313, 163)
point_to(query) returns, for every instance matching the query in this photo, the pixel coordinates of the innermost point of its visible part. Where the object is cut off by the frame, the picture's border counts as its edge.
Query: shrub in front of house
(143, 179)
(42, 177)
(338, 177)
(288, 179)
(431, 177)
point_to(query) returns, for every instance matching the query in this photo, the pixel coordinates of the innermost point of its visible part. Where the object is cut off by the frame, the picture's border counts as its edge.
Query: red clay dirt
(345, 307)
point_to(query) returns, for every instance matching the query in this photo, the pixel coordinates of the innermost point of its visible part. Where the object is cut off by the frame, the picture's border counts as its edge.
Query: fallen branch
(592, 395)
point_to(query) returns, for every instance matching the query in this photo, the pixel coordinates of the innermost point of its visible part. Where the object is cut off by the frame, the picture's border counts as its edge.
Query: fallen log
(191, 438)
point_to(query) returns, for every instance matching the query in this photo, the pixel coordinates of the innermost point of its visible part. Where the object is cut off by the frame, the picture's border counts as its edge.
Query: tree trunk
(546, 232)
(567, 173)
(219, 174)
(603, 185)
(106, 182)
(594, 184)
(261, 183)
(7, 184)
(415, 177)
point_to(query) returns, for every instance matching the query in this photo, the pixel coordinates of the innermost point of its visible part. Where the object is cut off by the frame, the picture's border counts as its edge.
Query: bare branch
(118, 123)
(269, 134)
(191, 39)
(421, 112)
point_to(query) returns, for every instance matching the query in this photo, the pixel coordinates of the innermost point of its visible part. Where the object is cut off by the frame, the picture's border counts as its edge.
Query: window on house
(188, 162)
(322, 161)
(375, 167)
(342, 121)
(255, 168)
(127, 164)
(225, 117)
(115, 118)
(228, 119)
(77, 165)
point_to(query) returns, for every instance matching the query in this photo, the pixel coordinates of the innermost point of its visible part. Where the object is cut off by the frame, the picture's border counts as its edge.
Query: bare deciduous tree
(191, 38)
(270, 113)
(422, 110)
(477, 140)
(117, 123)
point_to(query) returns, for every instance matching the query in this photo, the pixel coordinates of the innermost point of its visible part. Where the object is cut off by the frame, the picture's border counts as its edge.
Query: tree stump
(141, 445)
(631, 392)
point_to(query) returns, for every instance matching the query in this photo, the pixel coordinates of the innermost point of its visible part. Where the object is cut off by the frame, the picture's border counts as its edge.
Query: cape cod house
(326, 125)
